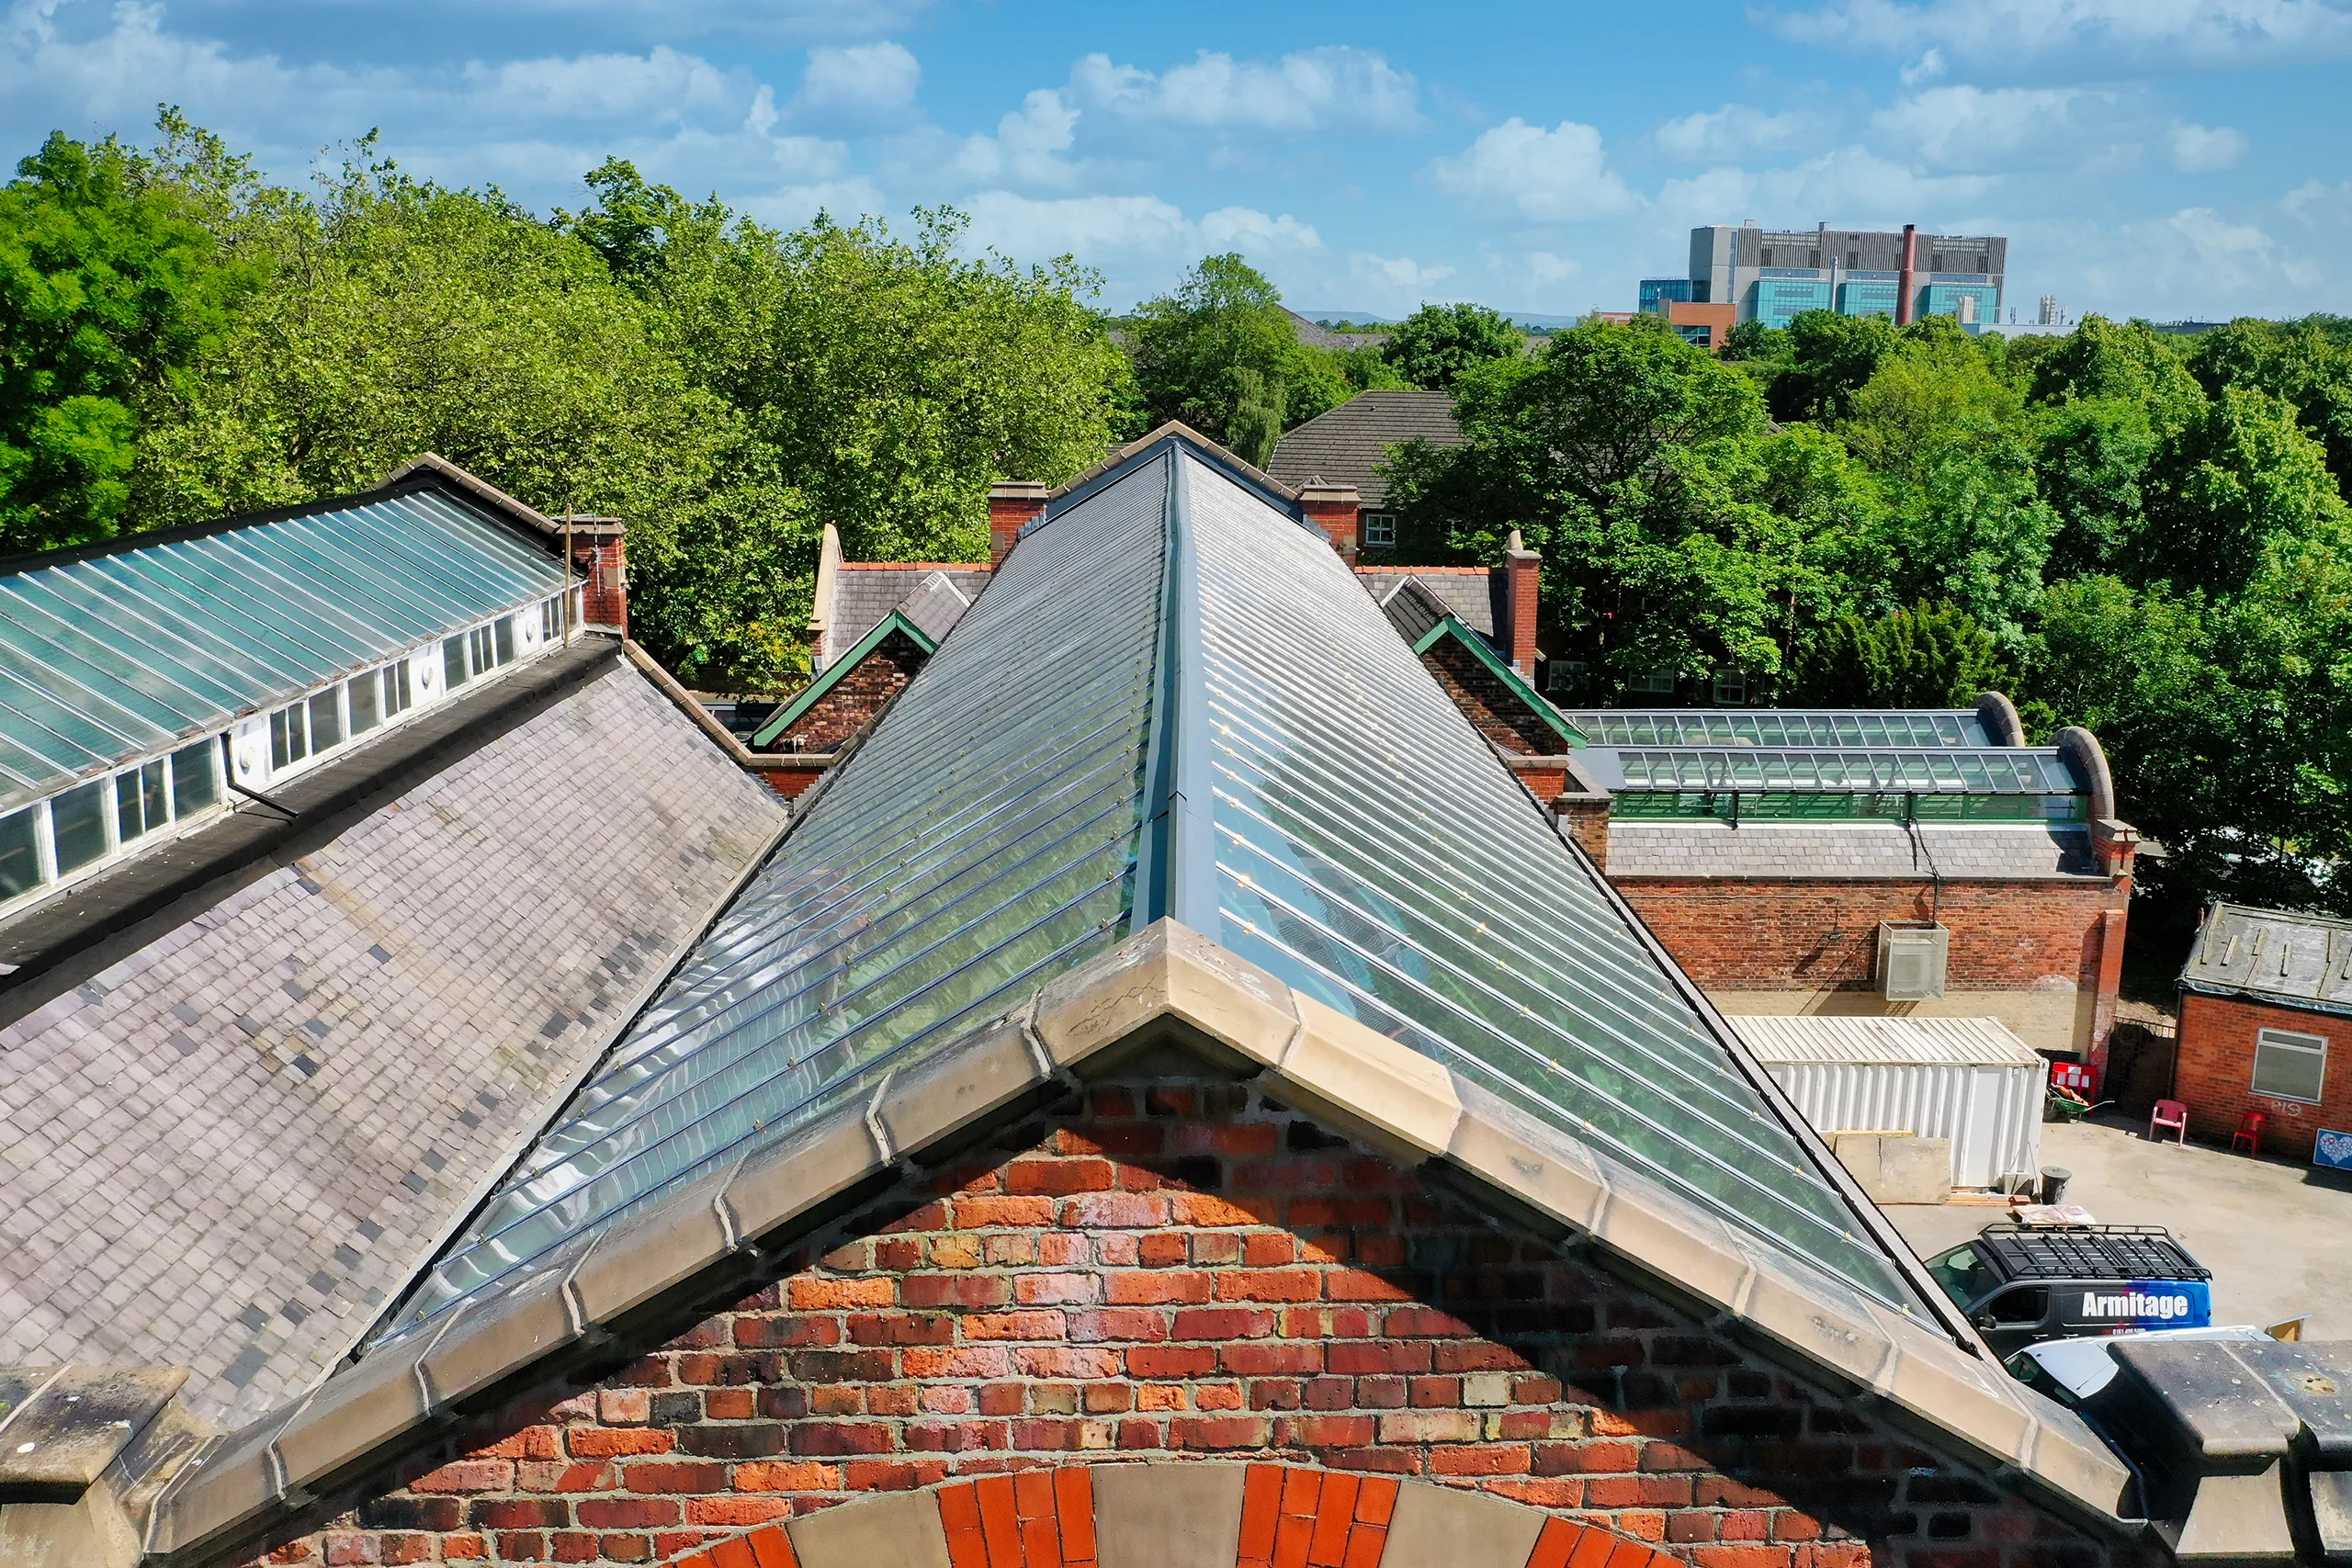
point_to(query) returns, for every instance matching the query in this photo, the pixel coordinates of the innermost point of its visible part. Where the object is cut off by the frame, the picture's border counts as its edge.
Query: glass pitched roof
(127, 653)
(979, 841)
(1174, 700)
(1368, 852)
(1987, 770)
(1708, 727)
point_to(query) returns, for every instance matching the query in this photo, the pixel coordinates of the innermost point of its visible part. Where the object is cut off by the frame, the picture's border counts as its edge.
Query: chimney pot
(1013, 504)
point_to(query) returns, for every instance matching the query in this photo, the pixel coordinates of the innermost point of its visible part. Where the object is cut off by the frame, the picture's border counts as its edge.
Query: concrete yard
(2278, 1239)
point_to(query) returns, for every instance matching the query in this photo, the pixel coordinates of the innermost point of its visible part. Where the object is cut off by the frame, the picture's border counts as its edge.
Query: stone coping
(1165, 988)
(1180, 1514)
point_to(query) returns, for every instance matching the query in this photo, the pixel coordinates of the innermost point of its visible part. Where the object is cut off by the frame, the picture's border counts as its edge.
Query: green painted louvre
(981, 840)
(109, 656)
(1368, 849)
(1703, 727)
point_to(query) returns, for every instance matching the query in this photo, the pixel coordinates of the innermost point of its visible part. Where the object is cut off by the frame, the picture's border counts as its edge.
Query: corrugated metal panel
(1963, 1082)
(1910, 1040)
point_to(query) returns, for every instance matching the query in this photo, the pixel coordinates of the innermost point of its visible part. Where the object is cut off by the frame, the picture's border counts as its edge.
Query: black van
(2021, 1284)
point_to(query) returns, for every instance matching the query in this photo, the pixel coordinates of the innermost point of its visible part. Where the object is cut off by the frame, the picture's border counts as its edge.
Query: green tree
(1923, 656)
(2239, 480)
(109, 290)
(2307, 363)
(1195, 348)
(1436, 343)
(1830, 357)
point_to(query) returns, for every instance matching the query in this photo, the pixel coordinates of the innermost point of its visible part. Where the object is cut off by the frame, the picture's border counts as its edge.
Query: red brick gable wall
(839, 714)
(1804, 935)
(2213, 1072)
(1500, 714)
(1167, 1271)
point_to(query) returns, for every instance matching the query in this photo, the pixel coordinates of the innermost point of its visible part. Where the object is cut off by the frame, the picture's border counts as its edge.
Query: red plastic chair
(2249, 1132)
(2172, 1113)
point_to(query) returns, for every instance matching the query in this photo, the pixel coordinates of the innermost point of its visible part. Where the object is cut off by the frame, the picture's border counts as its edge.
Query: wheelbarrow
(2063, 1104)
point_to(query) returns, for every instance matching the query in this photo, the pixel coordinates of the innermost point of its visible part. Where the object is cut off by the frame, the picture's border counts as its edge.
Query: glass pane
(78, 824)
(397, 696)
(129, 820)
(194, 786)
(1430, 903)
(289, 736)
(2290, 1072)
(366, 693)
(505, 631)
(19, 852)
(326, 718)
(948, 868)
(453, 663)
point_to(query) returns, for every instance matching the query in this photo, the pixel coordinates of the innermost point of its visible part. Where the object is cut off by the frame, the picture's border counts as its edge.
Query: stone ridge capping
(1180, 1514)
(84, 1451)
(1179, 429)
(1165, 988)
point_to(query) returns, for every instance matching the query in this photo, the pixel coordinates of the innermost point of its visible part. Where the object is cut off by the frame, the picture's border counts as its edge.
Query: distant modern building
(1775, 274)
(2049, 313)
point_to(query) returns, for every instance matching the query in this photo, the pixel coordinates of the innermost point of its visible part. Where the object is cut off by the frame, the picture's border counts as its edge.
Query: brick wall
(856, 698)
(1498, 712)
(2214, 1073)
(601, 565)
(1177, 1270)
(1806, 935)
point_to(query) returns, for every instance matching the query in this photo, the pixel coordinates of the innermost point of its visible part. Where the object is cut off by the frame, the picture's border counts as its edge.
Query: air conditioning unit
(1912, 955)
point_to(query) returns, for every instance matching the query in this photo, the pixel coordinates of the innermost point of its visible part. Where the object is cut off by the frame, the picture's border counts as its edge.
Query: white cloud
(1400, 272)
(1733, 131)
(2109, 37)
(1030, 145)
(1996, 130)
(1246, 228)
(1557, 175)
(1926, 68)
(1854, 184)
(2197, 151)
(1313, 89)
(2313, 200)
(861, 83)
(664, 86)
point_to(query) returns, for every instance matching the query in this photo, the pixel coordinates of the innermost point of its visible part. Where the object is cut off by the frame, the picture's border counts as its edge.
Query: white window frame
(2288, 1040)
(1380, 530)
(1719, 679)
(177, 823)
(1647, 682)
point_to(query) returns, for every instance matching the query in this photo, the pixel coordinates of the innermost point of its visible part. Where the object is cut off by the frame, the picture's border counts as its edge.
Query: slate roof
(1346, 445)
(864, 592)
(2273, 955)
(231, 1148)
(1313, 335)
(1805, 850)
(1467, 592)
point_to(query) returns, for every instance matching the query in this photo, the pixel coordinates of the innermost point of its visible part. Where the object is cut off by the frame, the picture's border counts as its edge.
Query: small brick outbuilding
(2266, 1024)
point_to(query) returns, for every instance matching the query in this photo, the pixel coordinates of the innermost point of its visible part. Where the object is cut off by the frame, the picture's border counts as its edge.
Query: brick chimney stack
(1013, 504)
(1522, 571)
(1333, 509)
(599, 569)
(1910, 265)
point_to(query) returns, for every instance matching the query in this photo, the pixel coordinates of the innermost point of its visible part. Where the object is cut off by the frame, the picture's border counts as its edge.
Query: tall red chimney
(1903, 290)
(1333, 509)
(1522, 571)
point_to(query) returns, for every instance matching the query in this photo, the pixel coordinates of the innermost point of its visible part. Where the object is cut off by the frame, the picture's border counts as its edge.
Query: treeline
(2143, 534)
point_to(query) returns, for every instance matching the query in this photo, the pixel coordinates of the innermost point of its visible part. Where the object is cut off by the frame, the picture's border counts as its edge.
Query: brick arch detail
(1179, 1515)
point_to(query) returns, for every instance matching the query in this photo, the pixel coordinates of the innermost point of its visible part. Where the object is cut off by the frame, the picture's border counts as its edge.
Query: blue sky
(2167, 158)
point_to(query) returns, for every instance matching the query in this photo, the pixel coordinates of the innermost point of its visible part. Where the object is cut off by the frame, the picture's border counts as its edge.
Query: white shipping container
(1969, 1080)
